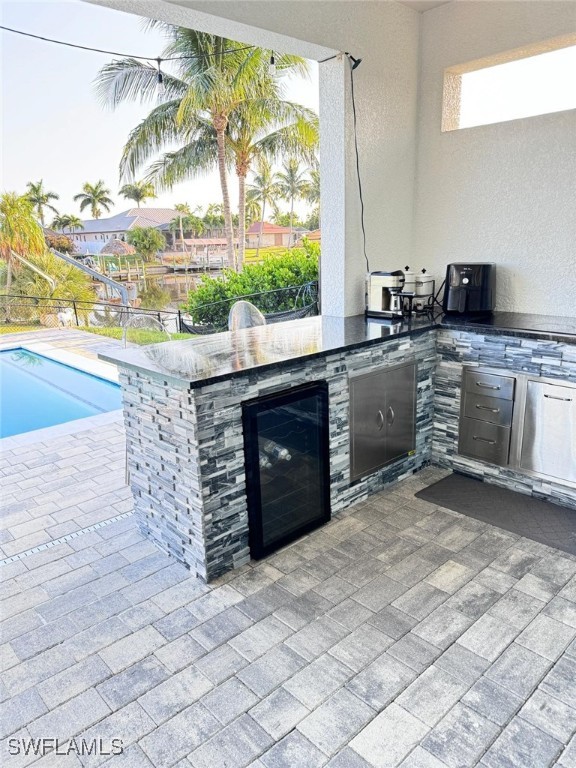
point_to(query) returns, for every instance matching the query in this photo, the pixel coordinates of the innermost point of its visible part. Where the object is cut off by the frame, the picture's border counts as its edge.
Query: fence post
(75, 313)
(179, 321)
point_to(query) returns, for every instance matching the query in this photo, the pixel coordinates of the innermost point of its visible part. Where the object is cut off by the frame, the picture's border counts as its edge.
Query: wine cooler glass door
(287, 475)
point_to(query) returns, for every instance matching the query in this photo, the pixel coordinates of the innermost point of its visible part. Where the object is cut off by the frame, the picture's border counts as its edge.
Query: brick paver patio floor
(400, 634)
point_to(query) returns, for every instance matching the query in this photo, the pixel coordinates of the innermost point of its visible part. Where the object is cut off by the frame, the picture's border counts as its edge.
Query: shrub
(59, 242)
(147, 241)
(292, 268)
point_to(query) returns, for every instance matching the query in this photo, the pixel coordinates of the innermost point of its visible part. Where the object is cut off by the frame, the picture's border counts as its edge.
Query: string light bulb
(272, 66)
(160, 88)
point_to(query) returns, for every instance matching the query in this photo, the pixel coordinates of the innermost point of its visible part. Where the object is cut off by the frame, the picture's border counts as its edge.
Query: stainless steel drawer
(485, 441)
(492, 409)
(489, 384)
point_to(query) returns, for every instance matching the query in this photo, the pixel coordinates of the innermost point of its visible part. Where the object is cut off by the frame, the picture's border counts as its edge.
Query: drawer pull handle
(487, 408)
(553, 397)
(380, 420)
(484, 440)
(391, 415)
(486, 386)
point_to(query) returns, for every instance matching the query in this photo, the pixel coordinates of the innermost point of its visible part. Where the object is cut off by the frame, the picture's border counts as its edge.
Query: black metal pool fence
(20, 312)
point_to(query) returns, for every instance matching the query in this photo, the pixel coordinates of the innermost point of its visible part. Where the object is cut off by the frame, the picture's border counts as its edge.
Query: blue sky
(52, 124)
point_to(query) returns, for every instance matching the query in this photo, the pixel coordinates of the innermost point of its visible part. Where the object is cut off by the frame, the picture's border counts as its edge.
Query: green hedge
(292, 268)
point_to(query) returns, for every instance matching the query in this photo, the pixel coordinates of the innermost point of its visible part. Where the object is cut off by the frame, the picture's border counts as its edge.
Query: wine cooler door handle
(380, 421)
(391, 415)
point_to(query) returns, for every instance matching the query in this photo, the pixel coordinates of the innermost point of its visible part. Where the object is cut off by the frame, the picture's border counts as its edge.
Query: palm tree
(74, 223)
(19, 232)
(264, 189)
(139, 191)
(312, 194)
(184, 210)
(66, 280)
(147, 241)
(292, 185)
(40, 198)
(253, 210)
(63, 220)
(266, 127)
(221, 76)
(94, 195)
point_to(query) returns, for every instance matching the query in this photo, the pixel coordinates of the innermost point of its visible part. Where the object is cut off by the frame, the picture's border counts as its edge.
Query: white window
(525, 82)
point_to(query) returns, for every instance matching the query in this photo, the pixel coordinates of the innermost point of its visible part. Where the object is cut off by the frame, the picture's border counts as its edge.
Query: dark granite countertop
(547, 327)
(207, 359)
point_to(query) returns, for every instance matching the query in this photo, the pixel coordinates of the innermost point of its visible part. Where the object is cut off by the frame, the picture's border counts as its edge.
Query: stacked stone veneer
(186, 453)
(520, 355)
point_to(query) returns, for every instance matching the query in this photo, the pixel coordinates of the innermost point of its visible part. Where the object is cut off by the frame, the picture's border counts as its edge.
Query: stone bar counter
(183, 412)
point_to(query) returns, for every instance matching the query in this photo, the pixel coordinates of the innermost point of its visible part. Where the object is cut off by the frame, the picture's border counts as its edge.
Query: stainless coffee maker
(384, 289)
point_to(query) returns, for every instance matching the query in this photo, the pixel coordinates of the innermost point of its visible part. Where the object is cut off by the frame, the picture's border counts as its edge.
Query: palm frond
(194, 159)
(150, 136)
(133, 80)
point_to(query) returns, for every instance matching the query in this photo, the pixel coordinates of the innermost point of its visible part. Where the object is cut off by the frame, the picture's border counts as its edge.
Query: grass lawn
(19, 328)
(277, 250)
(137, 335)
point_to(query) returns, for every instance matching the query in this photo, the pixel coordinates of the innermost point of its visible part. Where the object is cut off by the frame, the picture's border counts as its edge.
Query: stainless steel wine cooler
(287, 465)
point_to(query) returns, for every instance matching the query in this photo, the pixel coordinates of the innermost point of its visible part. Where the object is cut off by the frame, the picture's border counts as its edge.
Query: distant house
(272, 235)
(97, 232)
(313, 237)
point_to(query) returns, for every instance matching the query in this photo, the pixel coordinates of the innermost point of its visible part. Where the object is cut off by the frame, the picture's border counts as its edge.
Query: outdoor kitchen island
(183, 403)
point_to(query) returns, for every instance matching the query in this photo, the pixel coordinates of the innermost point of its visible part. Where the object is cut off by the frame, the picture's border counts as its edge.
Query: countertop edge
(443, 323)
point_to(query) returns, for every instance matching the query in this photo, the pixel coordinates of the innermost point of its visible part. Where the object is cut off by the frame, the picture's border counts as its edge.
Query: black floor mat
(535, 519)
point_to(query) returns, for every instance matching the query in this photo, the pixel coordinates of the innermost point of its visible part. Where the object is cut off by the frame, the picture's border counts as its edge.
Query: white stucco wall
(506, 192)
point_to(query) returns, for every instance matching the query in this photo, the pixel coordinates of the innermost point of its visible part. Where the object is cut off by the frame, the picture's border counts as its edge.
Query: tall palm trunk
(261, 227)
(181, 234)
(291, 220)
(241, 220)
(220, 123)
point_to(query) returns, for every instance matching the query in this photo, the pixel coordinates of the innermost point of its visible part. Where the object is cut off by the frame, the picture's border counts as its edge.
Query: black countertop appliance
(470, 289)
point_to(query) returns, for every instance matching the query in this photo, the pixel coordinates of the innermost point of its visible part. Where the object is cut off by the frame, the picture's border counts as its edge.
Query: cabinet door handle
(487, 408)
(380, 420)
(486, 386)
(483, 440)
(564, 399)
(391, 416)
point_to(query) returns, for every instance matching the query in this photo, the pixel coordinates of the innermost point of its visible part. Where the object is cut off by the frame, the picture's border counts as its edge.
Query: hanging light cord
(353, 64)
(124, 55)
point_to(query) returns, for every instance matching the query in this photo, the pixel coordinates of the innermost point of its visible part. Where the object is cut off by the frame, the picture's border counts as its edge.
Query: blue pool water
(37, 392)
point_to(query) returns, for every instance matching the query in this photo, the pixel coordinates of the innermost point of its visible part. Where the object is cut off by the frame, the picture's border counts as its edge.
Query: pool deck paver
(400, 634)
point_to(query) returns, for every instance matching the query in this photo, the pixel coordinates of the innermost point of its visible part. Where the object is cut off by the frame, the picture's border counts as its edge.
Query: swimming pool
(37, 392)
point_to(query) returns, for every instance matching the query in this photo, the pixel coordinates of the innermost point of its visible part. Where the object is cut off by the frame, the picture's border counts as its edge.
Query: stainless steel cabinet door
(382, 417)
(549, 438)
(368, 436)
(400, 411)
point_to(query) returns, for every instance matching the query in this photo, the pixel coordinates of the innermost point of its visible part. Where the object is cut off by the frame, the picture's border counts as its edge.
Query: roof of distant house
(133, 217)
(268, 229)
(90, 248)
